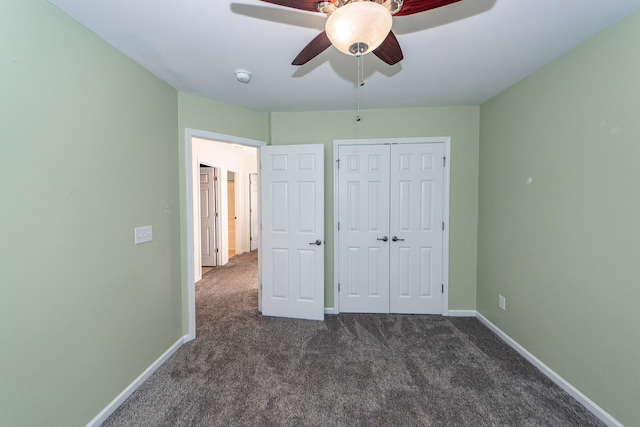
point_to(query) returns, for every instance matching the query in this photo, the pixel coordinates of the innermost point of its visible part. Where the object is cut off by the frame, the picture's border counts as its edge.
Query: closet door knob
(395, 239)
(384, 239)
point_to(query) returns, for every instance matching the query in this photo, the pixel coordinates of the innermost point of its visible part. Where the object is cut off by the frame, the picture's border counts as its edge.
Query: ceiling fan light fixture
(358, 27)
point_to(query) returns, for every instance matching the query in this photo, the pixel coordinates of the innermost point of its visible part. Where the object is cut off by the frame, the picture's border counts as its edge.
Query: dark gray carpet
(351, 370)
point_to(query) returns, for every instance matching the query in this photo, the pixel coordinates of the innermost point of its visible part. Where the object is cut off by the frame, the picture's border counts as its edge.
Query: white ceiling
(461, 54)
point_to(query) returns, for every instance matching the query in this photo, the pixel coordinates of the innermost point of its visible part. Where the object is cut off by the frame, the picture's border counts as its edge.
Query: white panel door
(292, 246)
(416, 205)
(207, 217)
(363, 182)
(254, 235)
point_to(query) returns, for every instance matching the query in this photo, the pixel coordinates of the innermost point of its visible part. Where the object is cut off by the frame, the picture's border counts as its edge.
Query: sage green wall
(460, 123)
(563, 249)
(204, 114)
(88, 151)
(212, 116)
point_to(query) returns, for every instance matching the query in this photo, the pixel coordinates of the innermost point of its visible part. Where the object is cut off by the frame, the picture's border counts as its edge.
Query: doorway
(232, 164)
(194, 142)
(231, 213)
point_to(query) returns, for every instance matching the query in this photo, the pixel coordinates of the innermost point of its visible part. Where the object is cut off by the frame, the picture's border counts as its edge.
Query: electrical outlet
(502, 302)
(143, 234)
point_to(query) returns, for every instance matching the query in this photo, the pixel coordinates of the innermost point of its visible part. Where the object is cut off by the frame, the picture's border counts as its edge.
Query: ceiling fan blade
(389, 51)
(416, 6)
(315, 47)
(310, 5)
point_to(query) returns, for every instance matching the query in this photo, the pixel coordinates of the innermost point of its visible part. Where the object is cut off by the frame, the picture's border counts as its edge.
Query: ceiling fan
(357, 27)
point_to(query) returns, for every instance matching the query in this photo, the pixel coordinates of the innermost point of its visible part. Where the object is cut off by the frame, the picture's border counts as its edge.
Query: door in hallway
(208, 214)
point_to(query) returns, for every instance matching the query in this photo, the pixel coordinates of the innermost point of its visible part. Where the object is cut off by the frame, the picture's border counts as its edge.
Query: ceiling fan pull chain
(358, 118)
(359, 82)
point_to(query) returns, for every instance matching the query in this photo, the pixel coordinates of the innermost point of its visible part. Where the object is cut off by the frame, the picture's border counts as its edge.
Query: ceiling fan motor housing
(328, 7)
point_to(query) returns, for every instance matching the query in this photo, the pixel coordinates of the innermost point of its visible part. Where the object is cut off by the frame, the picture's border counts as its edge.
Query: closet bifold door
(416, 215)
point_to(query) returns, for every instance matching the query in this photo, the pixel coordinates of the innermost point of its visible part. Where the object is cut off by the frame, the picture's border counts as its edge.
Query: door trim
(189, 183)
(256, 212)
(446, 140)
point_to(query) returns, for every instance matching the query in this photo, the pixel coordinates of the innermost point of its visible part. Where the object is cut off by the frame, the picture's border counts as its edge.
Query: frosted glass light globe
(359, 27)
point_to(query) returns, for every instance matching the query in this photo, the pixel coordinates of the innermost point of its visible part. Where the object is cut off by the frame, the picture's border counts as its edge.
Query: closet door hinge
(442, 225)
(443, 288)
(338, 226)
(338, 286)
(444, 161)
(338, 163)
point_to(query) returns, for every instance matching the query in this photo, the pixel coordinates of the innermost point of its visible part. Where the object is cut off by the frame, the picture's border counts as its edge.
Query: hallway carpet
(244, 369)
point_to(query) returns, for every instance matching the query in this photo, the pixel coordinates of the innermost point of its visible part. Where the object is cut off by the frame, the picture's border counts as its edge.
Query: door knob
(384, 239)
(317, 242)
(395, 239)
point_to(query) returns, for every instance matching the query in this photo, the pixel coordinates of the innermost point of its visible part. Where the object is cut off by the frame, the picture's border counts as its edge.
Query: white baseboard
(115, 403)
(452, 313)
(462, 313)
(596, 410)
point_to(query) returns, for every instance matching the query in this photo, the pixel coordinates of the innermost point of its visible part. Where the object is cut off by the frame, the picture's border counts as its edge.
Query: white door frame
(189, 135)
(253, 213)
(446, 140)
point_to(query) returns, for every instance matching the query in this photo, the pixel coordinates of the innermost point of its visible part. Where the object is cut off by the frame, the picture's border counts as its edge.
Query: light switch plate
(502, 302)
(143, 234)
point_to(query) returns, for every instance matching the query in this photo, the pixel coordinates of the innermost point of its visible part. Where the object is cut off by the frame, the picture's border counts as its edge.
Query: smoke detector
(243, 76)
